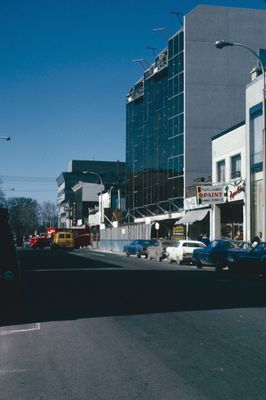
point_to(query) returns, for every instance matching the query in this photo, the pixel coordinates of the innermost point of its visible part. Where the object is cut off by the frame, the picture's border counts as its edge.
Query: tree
(2, 196)
(48, 214)
(24, 216)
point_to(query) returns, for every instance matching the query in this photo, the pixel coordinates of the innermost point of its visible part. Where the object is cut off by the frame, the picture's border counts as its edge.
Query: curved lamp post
(220, 44)
(101, 182)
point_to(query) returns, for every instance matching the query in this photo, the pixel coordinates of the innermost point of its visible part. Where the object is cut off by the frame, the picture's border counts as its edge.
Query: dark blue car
(253, 262)
(139, 247)
(216, 254)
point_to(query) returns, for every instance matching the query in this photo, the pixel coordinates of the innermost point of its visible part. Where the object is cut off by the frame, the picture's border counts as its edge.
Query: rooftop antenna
(179, 15)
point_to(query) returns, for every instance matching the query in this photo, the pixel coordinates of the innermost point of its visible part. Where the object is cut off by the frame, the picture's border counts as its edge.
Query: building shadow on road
(67, 294)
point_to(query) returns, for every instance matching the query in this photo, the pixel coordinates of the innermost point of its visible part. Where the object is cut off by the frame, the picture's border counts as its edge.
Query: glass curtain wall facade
(155, 135)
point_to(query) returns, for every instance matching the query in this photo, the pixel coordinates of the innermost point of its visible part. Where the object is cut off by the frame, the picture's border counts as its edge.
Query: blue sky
(65, 69)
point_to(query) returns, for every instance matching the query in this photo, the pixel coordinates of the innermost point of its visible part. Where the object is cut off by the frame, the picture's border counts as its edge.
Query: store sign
(236, 190)
(210, 194)
(191, 203)
(74, 213)
(178, 232)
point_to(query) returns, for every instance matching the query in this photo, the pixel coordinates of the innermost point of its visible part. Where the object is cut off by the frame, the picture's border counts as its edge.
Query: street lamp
(110, 195)
(141, 61)
(220, 44)
(7, 138)
(179, 15)
(101, 182)
(153, 49)
(163, 32)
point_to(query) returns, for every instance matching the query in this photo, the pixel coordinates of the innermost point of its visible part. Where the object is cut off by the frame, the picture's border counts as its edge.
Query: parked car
(158, 250)
(253, 261)
(139, 247)
(181, 251)
(40, 241)
(217, 252)
(63, 240)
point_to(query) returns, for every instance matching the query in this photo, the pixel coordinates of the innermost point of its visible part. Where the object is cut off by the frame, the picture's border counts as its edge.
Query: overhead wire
(28, 184)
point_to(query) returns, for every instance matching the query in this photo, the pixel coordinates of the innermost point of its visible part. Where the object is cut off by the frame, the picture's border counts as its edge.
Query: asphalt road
(101, 327)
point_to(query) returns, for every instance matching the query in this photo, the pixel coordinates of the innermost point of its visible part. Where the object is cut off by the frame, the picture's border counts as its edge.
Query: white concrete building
(229, 168)
(255, 201)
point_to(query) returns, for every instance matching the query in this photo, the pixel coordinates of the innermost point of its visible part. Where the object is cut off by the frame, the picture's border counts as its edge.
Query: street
(93, 325)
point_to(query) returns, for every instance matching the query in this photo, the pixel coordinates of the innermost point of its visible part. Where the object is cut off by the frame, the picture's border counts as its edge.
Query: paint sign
(210, 194)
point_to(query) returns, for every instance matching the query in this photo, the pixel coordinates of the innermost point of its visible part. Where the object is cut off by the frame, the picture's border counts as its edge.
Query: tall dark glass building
(191, 92)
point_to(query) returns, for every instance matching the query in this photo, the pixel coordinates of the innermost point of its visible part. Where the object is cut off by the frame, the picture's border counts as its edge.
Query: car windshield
(147, 242)
(176, 244)
(167, 244)
(214, 243)
(243, 245)
(226, 244)
(259, 248)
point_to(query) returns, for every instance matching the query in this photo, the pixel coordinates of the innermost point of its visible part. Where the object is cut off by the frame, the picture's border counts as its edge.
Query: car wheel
(219, 266)
(198, 264)
(127, 254)
(138, 255)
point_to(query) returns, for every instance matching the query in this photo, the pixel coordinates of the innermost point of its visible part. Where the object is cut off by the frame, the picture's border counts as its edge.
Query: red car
(40, 241)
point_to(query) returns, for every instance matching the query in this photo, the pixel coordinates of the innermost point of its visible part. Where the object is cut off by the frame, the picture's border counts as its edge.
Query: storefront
(195, 221)
(228, 218)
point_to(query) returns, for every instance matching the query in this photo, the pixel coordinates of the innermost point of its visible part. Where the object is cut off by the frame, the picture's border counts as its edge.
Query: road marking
(96, 254)
(11, 371)
(70, 269)
(35, 327)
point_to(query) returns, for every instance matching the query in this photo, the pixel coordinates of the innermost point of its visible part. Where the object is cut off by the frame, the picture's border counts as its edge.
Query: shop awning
(193, 216)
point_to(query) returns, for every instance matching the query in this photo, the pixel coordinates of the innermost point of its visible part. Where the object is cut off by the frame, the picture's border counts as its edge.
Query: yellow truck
(63, 240)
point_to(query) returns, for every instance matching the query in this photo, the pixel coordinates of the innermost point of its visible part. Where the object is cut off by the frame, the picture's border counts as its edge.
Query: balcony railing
(161, 62)
(135, 94)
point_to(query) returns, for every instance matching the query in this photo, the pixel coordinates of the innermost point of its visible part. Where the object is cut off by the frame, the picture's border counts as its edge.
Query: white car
(182, 250)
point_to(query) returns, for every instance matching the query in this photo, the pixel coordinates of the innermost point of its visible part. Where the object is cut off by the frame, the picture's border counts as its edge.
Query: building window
(256, 131)
(221, 171)
(236, 166)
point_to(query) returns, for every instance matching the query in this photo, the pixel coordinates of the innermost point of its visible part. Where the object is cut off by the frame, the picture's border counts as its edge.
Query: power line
(27, 178)
(30, 191)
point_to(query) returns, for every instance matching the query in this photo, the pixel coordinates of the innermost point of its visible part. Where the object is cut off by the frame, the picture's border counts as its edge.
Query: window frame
(236, 173)
(218, 170)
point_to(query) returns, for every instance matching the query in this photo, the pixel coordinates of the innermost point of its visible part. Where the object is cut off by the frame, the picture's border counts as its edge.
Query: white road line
(36, 327)
(11, 371)
(69, 269)
(95, 254)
